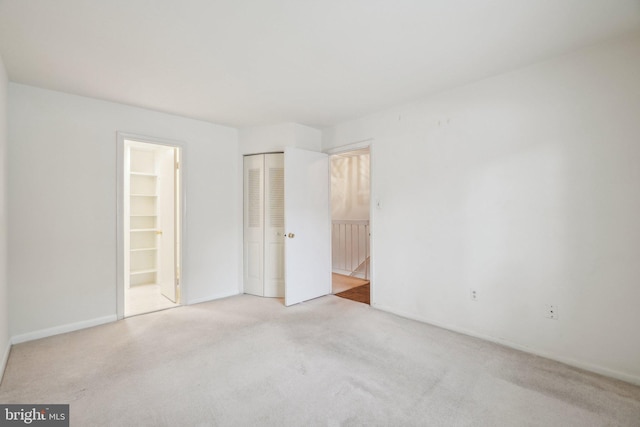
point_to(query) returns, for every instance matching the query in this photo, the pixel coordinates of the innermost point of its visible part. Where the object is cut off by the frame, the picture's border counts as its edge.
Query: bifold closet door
(274, 225)
(254, 225)
(264, 225)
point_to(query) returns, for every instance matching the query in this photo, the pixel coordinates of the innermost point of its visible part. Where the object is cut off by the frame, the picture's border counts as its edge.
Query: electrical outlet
(473, 295)
(551, 311)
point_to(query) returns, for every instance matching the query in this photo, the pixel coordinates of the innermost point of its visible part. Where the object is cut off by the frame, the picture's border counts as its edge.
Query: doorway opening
(151, 220)
(350, 227)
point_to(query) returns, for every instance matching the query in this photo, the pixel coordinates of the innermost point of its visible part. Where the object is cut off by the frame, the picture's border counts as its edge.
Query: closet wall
(253, 141)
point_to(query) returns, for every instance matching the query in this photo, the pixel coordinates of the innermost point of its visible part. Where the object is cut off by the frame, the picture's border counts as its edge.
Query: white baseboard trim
(343, 272)
(214, 297)
(348, 273)
(56, 330)
(623, 376)
(5, 359)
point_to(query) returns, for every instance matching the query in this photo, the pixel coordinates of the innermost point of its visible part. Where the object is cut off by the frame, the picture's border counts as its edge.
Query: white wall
(4, 300)
(523, 187)
(62, 190)
(263, 139)
(350, 187)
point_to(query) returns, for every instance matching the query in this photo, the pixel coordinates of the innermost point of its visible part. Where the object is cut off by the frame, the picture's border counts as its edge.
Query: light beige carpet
(249, 361)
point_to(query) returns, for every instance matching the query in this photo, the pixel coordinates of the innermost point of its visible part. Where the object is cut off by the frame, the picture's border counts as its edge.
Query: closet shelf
(143, 216)
(152, 270)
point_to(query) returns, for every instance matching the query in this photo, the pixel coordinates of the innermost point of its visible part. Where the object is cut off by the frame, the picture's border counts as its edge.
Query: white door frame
(120, 150)
(359, 145)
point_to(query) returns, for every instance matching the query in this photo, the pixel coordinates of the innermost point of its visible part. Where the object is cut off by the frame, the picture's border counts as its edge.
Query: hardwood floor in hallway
(341, 283)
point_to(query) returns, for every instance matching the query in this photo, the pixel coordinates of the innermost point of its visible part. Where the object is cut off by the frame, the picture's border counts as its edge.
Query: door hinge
(177, 165)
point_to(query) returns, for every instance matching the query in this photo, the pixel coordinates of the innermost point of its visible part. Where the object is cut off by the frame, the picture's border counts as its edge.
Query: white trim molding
(5, 359)
(213, 297)
(57, 330)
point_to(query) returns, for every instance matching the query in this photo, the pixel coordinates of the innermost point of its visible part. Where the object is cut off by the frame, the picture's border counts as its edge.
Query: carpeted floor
(250, 361)
(359, 294)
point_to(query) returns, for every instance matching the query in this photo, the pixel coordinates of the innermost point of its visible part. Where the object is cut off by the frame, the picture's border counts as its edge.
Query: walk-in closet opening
(350, 227)
(151, 226)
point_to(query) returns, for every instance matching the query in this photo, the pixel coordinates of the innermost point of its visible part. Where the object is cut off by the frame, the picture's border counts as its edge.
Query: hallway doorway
(350, 228)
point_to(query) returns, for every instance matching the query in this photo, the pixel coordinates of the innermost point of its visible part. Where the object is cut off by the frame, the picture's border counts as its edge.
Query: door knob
(291, 235)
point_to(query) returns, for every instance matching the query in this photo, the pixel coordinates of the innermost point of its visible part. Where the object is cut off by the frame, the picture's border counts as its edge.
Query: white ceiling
(315, 62)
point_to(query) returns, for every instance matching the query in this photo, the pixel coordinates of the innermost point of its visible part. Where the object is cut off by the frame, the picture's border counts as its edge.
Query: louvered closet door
(254, 225)
(274, 225)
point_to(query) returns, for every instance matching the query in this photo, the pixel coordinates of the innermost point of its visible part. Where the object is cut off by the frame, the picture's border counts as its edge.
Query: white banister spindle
(350, 247)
